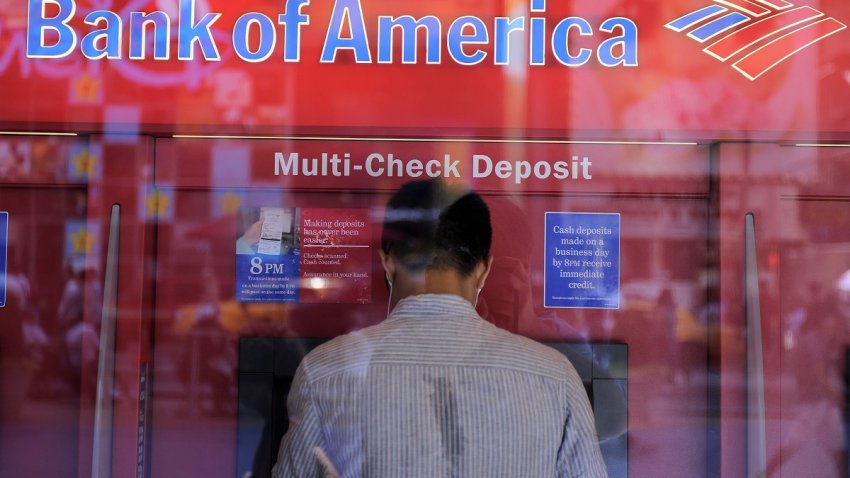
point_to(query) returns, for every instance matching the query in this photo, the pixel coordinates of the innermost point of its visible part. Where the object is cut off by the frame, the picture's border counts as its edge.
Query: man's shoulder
(532, 355)
(344, 351)
(471, 343)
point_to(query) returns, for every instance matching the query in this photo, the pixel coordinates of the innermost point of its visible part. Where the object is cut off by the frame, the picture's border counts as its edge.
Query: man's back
(436, 391)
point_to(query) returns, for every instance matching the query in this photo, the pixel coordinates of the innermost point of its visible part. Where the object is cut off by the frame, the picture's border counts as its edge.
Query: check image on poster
(309, 255)
(582, 254)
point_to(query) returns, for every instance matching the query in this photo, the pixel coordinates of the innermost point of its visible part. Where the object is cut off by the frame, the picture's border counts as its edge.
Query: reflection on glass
(48, 331)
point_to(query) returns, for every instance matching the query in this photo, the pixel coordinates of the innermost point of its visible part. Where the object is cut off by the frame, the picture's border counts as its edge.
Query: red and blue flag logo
(756, 35)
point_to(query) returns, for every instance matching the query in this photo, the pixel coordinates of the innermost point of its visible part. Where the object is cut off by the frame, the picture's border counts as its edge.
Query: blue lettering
(110, 34)
(39, 25)
(358, 41)
(457, 38)
(255, 38)
(627, 41)
(504, 28)
(139, 23)
(241, 33)
(561, 41)
(538, 41)
(292, 21)
(409, 27)
(200, 33)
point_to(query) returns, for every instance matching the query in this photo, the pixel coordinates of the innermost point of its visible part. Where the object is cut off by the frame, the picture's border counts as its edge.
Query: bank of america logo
(756, 35)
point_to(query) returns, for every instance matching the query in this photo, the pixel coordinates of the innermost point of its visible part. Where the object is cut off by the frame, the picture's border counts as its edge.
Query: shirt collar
(433, 305)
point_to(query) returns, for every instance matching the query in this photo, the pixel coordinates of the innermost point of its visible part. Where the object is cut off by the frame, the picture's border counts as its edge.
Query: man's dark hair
(432, 224)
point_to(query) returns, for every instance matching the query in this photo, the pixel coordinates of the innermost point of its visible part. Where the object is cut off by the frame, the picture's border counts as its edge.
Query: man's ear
(482, 271)
(388, 262)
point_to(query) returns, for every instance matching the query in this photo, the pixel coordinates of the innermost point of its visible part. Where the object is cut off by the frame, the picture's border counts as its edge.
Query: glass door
(52, 246)
(72, 300)
(797, 196)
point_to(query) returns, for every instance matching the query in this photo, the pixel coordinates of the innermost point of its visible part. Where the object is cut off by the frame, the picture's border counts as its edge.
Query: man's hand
(327, 465)
(252, 235)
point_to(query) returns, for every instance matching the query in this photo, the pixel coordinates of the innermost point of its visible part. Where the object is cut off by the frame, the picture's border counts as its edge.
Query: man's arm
(296, 457)
(579, 455)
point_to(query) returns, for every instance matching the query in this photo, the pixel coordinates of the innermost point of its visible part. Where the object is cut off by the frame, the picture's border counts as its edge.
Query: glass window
(203, 259)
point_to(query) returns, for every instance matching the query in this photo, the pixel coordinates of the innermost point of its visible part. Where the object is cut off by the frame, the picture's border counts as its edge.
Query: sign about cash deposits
(582, 267)
(308, 255)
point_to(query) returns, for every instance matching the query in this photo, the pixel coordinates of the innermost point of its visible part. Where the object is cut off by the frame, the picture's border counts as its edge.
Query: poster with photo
(310, 255)
(267, 255)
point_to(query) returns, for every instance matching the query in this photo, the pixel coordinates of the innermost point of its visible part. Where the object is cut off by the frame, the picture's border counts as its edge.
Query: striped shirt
(436, 391)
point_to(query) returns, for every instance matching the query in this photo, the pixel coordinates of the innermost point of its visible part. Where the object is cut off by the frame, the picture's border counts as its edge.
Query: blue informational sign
(268, 278)
(4, 247)
(582, 267)
(268, 255)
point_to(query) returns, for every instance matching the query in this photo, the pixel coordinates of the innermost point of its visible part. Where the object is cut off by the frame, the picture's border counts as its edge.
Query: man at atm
(434, 390)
